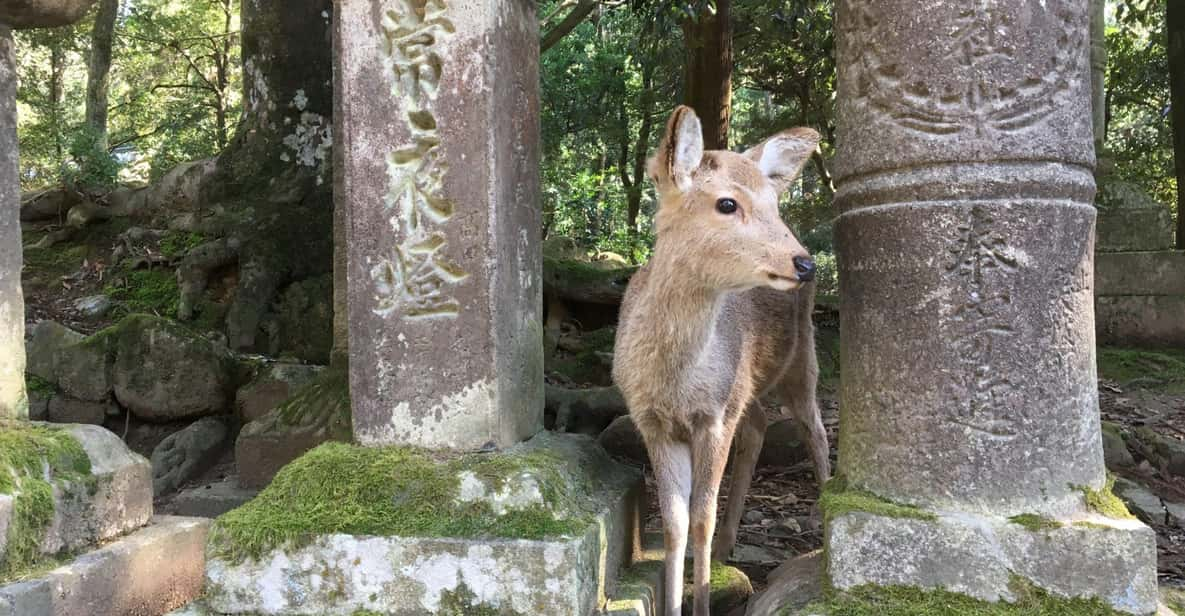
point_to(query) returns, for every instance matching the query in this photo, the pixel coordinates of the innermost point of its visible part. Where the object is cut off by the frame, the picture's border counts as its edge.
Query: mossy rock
(301, 324)
(539, 489)
(839, 498)
(730, 588)
(31, 458)
(1161, 370)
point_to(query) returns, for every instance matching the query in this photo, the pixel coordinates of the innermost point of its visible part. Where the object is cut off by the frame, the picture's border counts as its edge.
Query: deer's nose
(805, 268)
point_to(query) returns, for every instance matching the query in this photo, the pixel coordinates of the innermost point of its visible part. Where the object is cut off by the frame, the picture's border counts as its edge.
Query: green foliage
(91, 166)
(37, 385)
(909, 601)
(839, 498)
(177, 244)
(151, 291)
(395, 491)
(28, 455)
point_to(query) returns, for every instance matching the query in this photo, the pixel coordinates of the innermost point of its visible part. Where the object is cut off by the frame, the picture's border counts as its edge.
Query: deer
(718, 318)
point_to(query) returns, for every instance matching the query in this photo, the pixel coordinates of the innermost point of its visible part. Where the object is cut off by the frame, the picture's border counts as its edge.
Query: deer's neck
(684, 313)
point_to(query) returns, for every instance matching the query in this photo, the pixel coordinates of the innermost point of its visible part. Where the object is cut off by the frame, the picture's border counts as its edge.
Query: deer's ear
(680, 151)
(782, 156)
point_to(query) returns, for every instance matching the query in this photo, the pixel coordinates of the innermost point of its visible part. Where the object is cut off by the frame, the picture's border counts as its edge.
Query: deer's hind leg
(673, 473)
(746, 448)
(797, 390)
(709, 457)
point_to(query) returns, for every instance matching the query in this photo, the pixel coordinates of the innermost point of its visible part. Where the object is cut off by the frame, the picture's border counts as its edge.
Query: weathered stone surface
(83, 368)
(584, 411)
(165, 372)
(93, 306)
(1141, 320)
(212, 500)
(119, 501)
(42, 13)
(13, 403)
(151, 571)
(965, 189)
(792, 585)
(301, 323)
(186, 453)
(48, 204)
(319, 412)
(560, 576)
(1115, 451)
(274, 384)
(177, 190)
(1114, 560)
(442, 186)
(1140, 273)
(64, 409)
(46, 339)
(783, 444)
(622, 440)
(1162, 451)
(1129, 219)
(1140, 501)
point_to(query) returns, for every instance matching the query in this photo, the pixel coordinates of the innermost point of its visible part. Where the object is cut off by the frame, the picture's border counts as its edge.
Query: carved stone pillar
(964, 177)
(438, 128)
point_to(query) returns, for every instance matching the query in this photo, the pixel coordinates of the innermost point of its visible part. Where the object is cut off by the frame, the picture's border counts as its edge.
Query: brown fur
(702, 335)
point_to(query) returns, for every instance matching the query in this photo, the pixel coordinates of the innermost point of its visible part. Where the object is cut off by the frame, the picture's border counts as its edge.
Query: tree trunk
(99, 69)
(1175, 29)
(56, 93)
(277, 165)
(707, 72)
(634, 189)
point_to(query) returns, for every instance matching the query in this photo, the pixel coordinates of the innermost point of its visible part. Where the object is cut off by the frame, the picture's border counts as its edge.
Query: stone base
(639, 590)
(983, 557)
(151, 571)
(212, 500)
(337, 573)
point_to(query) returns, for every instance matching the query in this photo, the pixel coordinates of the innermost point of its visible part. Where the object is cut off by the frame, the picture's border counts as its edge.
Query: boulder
(85, 213)
(48, 204)
(177, 190)
(301, 324)
(93, 306)
(622, 440)
(84, 368)
(165, 372)
(186, 453)
(1141, 501)
(583, 411)
(1115, 450)
(45, 340)
(274, 384)
(1162, 451)
(65, 409)
(784, 444)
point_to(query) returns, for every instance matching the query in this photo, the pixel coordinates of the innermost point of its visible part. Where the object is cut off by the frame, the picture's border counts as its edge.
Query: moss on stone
(176, 244)
(323, 401)
(39, 386)
(152, 291)
(575, 271)
(1104, 501)
(1162, 370)
(462, 602)
(839, 498)
(873, 600)
(729, 587)
(402, 491)
(30, 457)
(1035, 522)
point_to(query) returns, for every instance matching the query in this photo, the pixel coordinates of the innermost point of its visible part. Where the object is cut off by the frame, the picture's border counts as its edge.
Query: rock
(783, 445)
(622, 440)
(177, 190)
(126, 200)
(165, 372)
(39, 406)
(318, 412)
(752, 517)
(85, 213)
(212, 500)
(84, 368)
(45, 340)
(48, 204)
(1162, 451)
(186, 453)
(151, 571)
(64, 409)
(1114, 448)
(1129, 219)
(1141, 501)
(730, 586)
(583, 411)
(93, 306)
(275, 383)
(1176, 512)
(301, 324)
(745, 554)
(794, 584)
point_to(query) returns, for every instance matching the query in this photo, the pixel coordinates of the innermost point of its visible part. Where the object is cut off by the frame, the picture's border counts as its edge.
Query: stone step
(639, 589)
(213, 499)
(147, 573)
(115, 500)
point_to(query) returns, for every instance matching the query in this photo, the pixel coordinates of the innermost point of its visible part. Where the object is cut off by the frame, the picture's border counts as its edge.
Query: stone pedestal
(438, 152)
(965, 184)
(13, 403)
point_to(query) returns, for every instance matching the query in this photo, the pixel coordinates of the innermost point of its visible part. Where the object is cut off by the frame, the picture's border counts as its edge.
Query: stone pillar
(1098, 72)
(13, 403)
(439, 145)
(964, 178)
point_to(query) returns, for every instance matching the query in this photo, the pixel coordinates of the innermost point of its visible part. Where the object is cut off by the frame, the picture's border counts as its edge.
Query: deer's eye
(726, 206)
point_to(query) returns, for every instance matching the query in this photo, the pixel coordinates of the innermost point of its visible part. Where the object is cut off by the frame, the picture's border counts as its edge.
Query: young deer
(720, 316)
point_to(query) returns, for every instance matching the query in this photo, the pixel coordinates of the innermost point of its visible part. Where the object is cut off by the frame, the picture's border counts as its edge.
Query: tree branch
(575, 18)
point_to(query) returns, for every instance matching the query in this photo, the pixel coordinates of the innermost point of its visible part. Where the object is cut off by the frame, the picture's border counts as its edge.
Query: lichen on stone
(1035, 522)
(1104, 501)
(872, 600)
(31, 456)
(408, 492)
(839, 498)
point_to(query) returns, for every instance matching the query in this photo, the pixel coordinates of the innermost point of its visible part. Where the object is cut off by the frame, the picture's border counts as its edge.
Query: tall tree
(707, 73)
(99, 69)
(1175, 31)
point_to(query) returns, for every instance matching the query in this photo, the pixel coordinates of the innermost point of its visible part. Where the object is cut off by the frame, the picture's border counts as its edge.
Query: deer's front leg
(672, 472)
(710, 447)
(746, 449)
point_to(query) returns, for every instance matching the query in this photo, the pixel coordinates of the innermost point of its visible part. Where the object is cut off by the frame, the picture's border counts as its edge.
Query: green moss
(54, 261)
(1174, 598)
(152, 291)
(1105, 501)
(1162, 370)
(39, 386)
(324, 401)
(177, 244)
(1035, 522)
(577, 272)
(401, 491)
(839, 498)
(908, 601)
(462, 602)
(28, 455)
